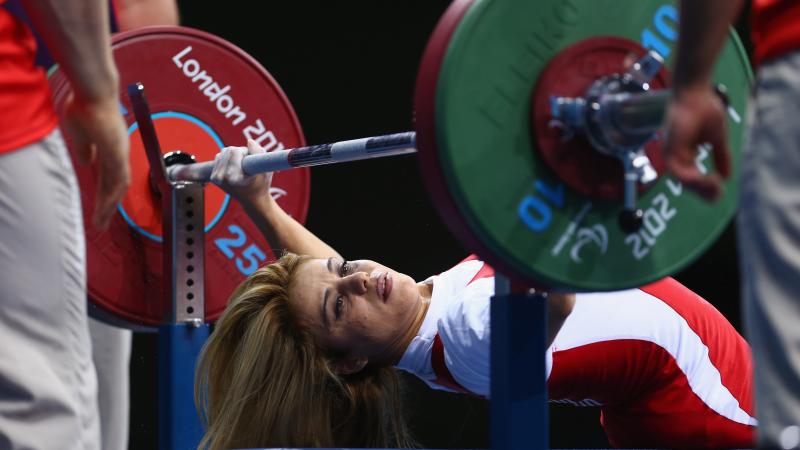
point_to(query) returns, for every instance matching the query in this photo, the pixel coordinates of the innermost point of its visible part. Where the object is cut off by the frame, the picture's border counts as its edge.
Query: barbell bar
(314, 155)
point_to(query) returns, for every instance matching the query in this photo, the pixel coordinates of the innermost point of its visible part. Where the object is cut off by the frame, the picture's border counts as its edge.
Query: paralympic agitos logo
(596, 235)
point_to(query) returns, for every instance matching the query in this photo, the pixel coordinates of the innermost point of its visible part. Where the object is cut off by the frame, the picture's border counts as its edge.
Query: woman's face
(358, 308)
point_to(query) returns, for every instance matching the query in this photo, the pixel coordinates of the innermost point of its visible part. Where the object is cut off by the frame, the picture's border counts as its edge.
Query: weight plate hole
(189, 199)
(189, 227)
(190, 213)
(189, 282)
(189, 309)
(190, 296)
(190, 269)
(189, 241)
(189, 255)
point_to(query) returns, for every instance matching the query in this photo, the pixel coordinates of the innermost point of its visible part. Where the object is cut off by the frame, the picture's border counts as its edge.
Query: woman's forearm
(77, 33)
(283, 232)
(559, 307)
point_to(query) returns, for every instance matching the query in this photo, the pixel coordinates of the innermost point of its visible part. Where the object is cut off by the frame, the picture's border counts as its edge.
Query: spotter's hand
(696, 116)
(99, 135)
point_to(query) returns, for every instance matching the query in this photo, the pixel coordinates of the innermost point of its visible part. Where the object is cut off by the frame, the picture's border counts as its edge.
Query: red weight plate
(204, 93)
(570, 74)
(425, 111)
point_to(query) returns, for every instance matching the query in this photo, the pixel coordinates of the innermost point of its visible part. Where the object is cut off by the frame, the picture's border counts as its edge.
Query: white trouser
(48, 386)
(111, 349)
(769, 249)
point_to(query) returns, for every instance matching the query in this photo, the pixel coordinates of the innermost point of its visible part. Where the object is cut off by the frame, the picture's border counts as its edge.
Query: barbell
(529, 119)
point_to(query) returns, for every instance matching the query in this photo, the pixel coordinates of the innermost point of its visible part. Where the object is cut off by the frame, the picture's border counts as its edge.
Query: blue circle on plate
(213, 135)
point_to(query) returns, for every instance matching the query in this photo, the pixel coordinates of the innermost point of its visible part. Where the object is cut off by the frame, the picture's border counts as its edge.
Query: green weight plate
(510, 204)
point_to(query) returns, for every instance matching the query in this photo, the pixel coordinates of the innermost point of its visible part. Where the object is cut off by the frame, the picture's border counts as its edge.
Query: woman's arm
(280, 229)
(559, 307)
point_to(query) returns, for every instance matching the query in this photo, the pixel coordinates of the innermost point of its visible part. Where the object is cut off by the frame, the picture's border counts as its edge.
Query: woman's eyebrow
(324, 310)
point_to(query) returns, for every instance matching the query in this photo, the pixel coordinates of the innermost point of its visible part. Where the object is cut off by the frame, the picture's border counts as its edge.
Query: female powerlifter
(306, 351)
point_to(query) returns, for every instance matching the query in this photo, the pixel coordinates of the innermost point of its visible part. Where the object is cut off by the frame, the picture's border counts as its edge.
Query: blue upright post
(183, 332)
(178, 347)
(519, 391)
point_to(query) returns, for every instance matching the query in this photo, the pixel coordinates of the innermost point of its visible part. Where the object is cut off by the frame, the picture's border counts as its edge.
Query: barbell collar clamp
(612, 121)
(645, 69)
(178, 157)
(645, 171)
(637, 168)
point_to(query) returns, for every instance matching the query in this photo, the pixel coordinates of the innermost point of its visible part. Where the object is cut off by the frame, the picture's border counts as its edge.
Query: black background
(349, 69)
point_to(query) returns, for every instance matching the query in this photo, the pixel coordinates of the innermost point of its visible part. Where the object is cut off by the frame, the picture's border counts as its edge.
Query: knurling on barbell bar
(539, 204)
(315, 155)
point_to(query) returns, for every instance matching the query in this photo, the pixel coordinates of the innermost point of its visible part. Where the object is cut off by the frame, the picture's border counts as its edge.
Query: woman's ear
(349, 365)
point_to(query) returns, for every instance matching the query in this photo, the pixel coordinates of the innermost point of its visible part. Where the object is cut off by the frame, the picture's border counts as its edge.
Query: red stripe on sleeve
(471, 257)
(443, 376)
(486, 272)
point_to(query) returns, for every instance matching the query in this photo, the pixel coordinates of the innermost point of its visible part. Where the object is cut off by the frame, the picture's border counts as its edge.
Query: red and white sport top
(774, 28)
(26, 111)
(665, 367)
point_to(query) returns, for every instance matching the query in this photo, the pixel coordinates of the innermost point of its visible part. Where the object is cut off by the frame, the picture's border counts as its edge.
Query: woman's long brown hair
(262, 382)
